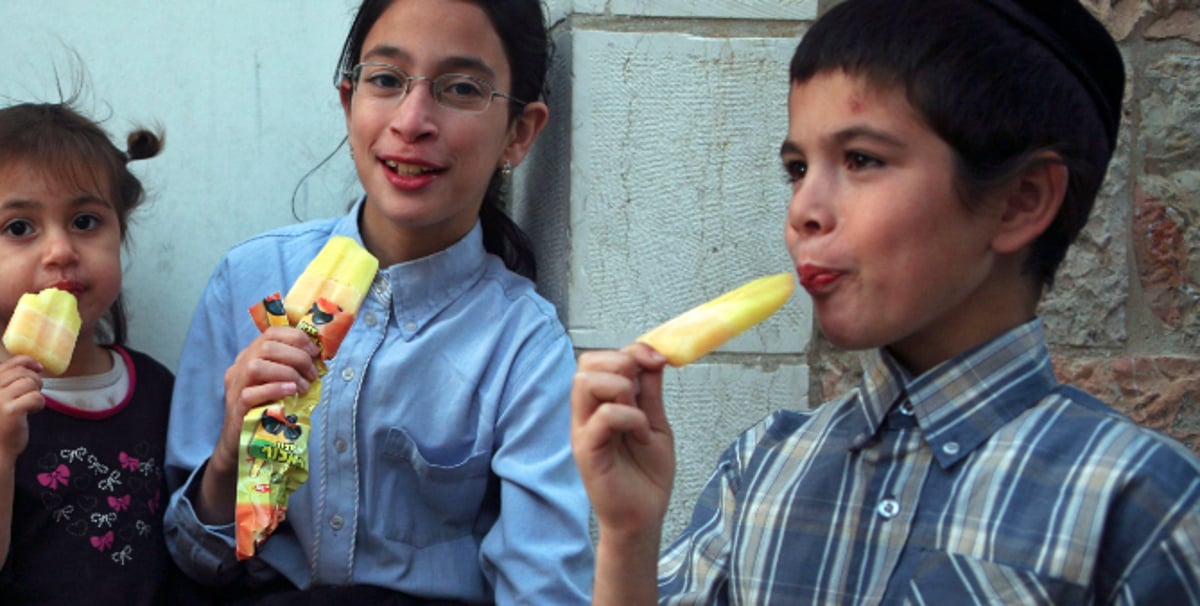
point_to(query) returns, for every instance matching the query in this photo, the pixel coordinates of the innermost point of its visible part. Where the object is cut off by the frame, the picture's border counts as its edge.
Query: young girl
(439, 459)
(82, 486)
(943, 155)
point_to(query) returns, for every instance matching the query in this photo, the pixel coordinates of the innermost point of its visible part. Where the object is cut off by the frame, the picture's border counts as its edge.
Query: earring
(506, 170)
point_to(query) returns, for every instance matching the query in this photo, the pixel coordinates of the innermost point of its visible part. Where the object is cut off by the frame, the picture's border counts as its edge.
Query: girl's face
(425, 167)
(52, 234)
(882, 243)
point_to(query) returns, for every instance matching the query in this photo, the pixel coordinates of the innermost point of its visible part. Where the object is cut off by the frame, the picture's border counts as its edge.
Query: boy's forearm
(626, 570)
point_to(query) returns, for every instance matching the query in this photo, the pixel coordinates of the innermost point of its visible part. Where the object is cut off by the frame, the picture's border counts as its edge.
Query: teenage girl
(439, 457)
(82, 486)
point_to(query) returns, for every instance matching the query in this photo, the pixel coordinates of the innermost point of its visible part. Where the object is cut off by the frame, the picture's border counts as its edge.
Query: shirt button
(860, 441)
(411, 327)
(347, 374)
(369, 318)
(888, 508)
(906, 408)
(950, 448)
(339, 445)
(336, 522)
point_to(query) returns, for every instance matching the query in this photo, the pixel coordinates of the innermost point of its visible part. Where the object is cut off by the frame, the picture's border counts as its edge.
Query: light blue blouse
(439, 454)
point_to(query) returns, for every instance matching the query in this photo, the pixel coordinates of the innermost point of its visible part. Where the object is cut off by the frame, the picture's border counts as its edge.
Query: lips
(815, 278)
(409, 174)
(410, 169)
(72, 286)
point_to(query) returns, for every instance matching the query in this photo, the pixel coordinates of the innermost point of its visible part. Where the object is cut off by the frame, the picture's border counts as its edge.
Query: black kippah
(1081, 43)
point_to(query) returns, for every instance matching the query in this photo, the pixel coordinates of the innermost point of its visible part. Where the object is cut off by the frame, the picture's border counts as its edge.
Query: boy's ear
(1031, 203)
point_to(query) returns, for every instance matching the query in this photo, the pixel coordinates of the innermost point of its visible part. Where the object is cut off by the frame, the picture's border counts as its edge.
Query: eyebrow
(847, 135)
(76, 202)
(455, 62)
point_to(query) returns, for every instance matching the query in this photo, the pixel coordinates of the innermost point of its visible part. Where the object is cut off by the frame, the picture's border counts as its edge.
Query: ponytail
(141, 144)
(502, 236)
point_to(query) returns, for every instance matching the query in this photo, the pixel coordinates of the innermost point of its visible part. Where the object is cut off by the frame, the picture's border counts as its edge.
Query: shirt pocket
(949, 578)
(421, 502)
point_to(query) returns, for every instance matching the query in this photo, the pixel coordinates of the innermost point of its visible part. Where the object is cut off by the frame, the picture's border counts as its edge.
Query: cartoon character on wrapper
(273, 457)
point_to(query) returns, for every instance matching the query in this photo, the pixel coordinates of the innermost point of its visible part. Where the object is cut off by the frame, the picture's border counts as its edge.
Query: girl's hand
(275, 365)
(622, 442)
(20, 396)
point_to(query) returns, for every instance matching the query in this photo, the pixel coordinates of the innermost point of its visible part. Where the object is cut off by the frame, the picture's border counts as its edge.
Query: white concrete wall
(656, 186)
(244, 91)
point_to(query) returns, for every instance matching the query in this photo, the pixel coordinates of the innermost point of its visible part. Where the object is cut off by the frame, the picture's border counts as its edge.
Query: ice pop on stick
(341, 273)
(45, 326)
(692, 334)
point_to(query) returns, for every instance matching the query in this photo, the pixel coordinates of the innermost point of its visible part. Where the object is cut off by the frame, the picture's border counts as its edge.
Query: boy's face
(883, 245)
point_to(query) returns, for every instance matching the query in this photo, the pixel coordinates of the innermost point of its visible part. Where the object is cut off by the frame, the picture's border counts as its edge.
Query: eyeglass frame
(433, 88)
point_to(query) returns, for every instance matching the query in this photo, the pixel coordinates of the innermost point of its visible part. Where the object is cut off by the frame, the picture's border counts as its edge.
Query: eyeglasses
(459, 92)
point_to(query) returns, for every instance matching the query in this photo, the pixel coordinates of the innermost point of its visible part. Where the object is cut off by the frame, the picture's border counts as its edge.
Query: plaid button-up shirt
(982, 481)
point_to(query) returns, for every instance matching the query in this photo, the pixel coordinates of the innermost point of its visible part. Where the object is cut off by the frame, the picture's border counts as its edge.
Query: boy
(943, 155)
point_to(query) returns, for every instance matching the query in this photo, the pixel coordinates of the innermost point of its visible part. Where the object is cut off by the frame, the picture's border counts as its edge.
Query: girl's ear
(524, 131)
(1031, 203)
(344, 92)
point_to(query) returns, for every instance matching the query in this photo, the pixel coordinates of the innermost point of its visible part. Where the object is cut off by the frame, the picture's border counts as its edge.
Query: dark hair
(991, 88)
(72, 149)
(521, 26)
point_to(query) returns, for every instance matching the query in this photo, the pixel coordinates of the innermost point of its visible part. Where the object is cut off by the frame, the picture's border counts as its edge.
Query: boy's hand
(622, 442)
(275, 365)
(20, 396)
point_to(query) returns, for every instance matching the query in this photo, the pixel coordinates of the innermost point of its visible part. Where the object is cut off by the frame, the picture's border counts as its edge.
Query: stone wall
(1124, 316)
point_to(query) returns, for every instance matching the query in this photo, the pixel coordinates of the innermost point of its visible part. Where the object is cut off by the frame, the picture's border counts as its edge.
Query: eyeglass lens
(455, 91)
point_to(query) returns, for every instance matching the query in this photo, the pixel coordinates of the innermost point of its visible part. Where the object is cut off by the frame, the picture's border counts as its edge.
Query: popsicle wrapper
(273, 451)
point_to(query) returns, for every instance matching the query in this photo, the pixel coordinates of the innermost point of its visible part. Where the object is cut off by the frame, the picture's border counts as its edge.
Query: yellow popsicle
(45, 326)
(692, 334)
(341, 273)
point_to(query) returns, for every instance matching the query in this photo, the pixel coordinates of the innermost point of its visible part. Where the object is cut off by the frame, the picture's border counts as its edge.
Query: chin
(846, 337)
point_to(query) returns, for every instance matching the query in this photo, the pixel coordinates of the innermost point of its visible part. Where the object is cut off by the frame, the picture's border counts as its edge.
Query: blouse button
(347, 374)
(888, 508)
(950, 448)
(336, 522)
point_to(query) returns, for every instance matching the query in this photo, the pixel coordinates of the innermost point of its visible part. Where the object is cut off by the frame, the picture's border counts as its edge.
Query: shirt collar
(418, 290)
(961, 402)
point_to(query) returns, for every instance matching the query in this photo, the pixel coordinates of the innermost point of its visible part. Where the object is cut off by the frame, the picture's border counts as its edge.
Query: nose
(810, 211)
(413, 116)
(59, 248)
